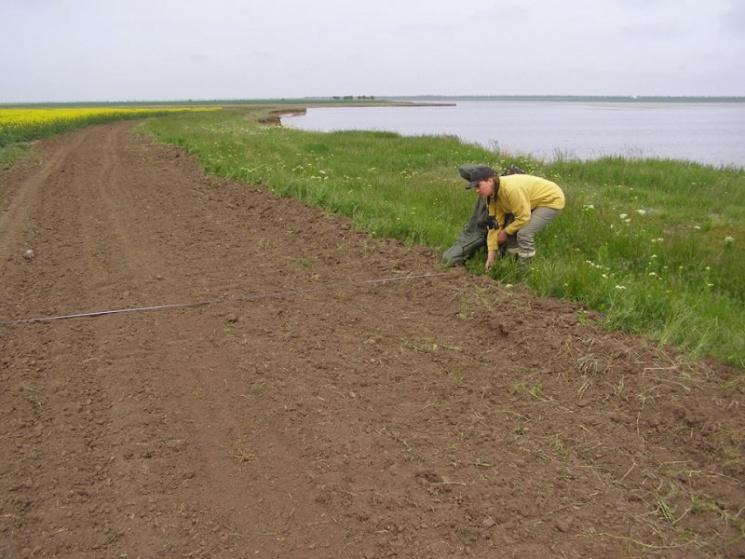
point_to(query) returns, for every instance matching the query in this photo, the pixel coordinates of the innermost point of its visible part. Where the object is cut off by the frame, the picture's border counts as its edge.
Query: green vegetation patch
(10, 154)
(657, 246)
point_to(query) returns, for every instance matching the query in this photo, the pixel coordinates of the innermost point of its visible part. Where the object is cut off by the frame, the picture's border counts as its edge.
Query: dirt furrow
(307, 414)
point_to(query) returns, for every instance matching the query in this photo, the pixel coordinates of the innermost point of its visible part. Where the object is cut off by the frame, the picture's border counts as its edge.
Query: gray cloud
(733, 19)
(88, 50)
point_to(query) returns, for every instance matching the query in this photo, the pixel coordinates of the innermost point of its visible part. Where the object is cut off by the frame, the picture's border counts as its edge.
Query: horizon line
(368, 98)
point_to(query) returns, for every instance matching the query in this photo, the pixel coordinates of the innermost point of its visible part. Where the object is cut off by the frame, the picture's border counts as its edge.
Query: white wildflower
(728, 240)
(623, 216)
(620, 287)
(641, 212)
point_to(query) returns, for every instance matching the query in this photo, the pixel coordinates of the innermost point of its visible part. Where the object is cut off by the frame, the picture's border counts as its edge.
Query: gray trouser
(522, 243)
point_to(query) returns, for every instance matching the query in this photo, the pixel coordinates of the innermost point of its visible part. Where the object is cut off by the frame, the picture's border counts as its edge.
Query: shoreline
(572, 140)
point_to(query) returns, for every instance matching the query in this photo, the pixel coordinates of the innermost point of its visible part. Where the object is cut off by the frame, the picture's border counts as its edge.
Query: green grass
(11, 153)
(657, 246)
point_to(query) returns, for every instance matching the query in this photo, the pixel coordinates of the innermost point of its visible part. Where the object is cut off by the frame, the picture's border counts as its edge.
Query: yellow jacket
(519, 195)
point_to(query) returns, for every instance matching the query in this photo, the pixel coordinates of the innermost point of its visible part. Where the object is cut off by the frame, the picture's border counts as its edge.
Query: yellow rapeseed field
(27, 124)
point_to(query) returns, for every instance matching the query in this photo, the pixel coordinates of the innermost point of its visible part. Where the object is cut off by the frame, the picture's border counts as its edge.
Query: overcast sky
(86, 50)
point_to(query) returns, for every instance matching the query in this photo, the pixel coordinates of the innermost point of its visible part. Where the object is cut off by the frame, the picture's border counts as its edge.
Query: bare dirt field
(309, 412)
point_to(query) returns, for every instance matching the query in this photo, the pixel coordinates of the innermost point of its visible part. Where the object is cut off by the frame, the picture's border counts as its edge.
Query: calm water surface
(712, 133)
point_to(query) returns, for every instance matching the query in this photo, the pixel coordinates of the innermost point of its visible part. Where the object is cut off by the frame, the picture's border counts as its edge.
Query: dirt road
(308, 414)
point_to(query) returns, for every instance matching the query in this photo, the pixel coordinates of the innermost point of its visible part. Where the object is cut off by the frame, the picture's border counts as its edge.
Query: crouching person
(533, 201)
(473, 236)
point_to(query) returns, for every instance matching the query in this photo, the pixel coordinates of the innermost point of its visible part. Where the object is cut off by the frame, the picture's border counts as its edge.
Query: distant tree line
(348, 97)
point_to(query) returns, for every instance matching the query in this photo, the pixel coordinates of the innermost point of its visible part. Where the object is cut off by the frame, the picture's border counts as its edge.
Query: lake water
(707, 132)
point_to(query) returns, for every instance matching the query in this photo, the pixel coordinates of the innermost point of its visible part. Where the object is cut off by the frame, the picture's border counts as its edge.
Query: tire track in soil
(332, 423)
(16, 201)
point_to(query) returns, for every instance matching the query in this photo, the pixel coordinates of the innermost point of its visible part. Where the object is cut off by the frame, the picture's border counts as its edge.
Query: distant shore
(388, 100)
(573, 98)
(310, 102)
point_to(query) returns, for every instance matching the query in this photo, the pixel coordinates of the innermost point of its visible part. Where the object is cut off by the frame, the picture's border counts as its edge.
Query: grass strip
(657, 246)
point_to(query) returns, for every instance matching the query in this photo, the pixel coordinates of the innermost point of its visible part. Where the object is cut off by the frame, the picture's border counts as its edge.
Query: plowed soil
(309, 412)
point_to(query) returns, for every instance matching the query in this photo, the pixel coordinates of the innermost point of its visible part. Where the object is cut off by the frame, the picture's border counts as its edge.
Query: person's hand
(501, 237)
(491, 257)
